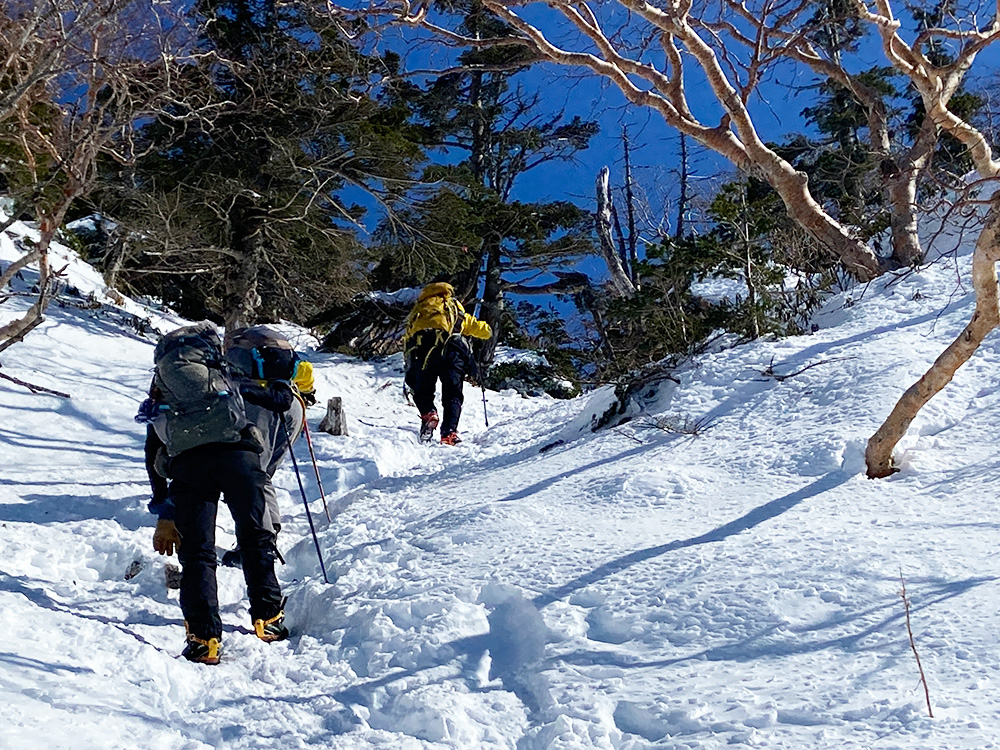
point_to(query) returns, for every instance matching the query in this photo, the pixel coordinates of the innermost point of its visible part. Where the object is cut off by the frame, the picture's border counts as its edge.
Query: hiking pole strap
(298, 476)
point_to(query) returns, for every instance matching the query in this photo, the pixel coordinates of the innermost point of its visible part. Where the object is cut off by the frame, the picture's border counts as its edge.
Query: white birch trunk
(878, 455)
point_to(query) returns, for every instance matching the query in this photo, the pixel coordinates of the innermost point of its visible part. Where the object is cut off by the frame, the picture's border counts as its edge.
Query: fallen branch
(680, 425)
(769, 372)
(913, 645)
(630, 437)
(34, 388)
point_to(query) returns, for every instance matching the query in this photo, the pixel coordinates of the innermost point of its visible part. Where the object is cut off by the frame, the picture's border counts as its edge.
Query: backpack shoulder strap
(453, 309)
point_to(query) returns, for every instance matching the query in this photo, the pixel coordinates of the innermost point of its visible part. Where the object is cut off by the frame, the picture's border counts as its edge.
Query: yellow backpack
(436, 309)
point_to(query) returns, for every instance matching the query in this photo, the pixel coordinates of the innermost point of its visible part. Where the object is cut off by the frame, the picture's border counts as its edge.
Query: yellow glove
(166, 539)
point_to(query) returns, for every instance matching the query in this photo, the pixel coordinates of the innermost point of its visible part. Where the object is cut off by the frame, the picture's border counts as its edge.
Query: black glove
(309, 398)
(276, 397)
(149, 410)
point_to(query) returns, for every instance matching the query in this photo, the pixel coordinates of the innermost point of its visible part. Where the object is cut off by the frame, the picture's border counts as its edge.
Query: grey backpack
(261, 353)
(200, 401)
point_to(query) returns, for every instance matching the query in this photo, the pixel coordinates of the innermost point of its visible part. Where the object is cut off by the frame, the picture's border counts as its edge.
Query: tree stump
(334, 422)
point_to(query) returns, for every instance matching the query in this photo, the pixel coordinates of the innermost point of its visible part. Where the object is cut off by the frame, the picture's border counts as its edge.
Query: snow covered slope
(631, 588)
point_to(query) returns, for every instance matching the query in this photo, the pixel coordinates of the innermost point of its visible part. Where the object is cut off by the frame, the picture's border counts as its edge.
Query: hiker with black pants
(200, 437)
(435, 350)
(198, 476)
(277, 425)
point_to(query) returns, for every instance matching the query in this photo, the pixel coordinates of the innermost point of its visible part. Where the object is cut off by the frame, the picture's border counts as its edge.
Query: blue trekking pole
(295, 465)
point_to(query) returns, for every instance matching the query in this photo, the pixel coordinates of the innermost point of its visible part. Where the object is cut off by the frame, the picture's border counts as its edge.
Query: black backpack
(261, 353)
(192, 380)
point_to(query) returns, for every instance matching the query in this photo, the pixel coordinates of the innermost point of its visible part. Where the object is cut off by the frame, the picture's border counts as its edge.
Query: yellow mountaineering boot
(273, 629)
(201, 650)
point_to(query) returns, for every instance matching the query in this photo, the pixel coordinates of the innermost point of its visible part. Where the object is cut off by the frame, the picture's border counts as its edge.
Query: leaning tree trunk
(621, 284)
(16, 330)
(242, 295)
(878, 455)
(18, 265)
(115, 258)
(466, 281)
(906, 248)
(901, 189)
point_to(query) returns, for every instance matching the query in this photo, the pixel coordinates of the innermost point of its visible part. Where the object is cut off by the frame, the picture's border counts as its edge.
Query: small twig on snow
(629, 436)
(913, 644)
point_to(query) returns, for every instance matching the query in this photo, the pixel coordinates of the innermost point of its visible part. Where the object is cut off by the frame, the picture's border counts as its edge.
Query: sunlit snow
(629, 588)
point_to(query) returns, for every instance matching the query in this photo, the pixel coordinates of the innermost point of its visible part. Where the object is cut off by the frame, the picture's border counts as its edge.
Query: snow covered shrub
(530, 377)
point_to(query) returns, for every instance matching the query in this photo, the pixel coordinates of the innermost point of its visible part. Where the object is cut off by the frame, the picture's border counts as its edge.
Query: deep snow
(629, 588)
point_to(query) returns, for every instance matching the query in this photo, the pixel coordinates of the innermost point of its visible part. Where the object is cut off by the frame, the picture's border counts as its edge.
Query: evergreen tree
(845, 173)
(236, 210)
(470, 229)
(777, 275)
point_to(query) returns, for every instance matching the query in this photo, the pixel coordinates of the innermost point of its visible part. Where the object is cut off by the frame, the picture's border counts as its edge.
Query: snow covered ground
(627, 589)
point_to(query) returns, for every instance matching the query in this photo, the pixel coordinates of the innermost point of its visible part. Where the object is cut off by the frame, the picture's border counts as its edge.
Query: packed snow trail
(630, 588)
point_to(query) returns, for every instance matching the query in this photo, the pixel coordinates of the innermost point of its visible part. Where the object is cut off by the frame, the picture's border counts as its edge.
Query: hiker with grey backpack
(260, 357)
(200, 438)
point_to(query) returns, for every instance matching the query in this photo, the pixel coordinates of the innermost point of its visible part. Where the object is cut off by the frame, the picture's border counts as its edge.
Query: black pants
(432, 360)
(198, 477)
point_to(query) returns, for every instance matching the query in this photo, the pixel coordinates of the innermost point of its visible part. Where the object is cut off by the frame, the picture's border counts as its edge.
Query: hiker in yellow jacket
(435, 350)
